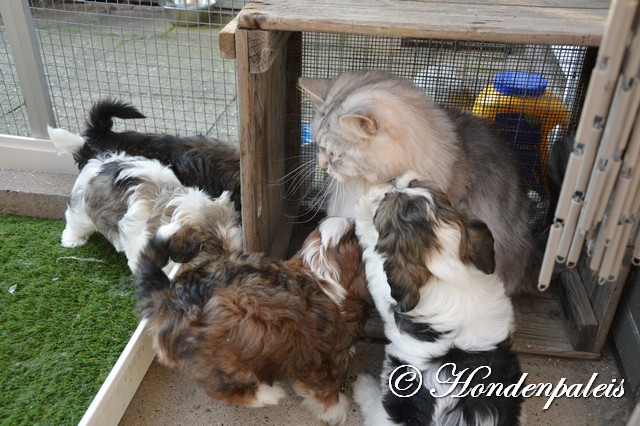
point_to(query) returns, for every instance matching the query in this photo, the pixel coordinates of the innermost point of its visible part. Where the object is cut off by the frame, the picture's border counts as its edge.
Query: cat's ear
(360, 121)
(317, 88)
(476, 246)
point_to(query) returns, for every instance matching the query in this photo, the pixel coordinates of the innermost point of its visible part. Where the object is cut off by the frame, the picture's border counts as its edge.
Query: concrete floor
(165, 397)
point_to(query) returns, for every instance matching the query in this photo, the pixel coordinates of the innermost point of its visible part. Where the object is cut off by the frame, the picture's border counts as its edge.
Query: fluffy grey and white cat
(372, 127)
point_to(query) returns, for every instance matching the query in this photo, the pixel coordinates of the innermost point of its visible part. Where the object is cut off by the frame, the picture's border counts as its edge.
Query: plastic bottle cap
(305, 133)
(519, 83)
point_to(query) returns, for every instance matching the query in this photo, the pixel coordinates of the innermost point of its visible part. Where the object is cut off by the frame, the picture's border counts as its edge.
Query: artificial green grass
(63, 328)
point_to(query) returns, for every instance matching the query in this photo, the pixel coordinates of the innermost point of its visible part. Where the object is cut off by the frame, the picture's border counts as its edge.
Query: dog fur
(237, 324)
(127, 199)
(197, 161)
(430, 274)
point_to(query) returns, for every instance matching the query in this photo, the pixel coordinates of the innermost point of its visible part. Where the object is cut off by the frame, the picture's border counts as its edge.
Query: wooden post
(262, 109)
(604, 298)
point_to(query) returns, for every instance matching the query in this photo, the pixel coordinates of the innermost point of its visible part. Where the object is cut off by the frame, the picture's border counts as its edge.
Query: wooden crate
(567, 322)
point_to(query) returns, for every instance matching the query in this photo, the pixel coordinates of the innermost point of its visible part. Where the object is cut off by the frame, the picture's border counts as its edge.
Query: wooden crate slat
(541, 329)
(262, 102)
(542, 22)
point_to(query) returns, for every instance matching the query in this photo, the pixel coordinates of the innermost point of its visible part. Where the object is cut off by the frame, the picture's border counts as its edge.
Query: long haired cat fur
(206, 163)
(127, 199)
(372, 126)
(429, 272)
(237, 324)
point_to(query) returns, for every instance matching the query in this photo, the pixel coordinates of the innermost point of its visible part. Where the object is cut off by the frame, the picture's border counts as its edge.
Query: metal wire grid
(13, 117)
(454, 74)
(137, 53)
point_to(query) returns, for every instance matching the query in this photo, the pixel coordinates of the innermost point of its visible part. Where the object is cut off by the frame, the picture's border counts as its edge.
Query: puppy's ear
(404, 290)
(184, 245)
(476, 247)
(406, 238)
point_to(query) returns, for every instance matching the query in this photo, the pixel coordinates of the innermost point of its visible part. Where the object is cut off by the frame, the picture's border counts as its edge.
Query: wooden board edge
(581, 322)
(118, 389)
(227, 40)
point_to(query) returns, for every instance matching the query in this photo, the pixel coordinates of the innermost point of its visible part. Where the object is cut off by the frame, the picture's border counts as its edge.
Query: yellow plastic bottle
(526, 112)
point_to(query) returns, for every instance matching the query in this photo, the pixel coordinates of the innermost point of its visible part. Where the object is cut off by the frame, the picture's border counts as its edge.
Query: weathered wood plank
(543, 22)
(582, 325)
(227, 40)
(280, 246)
(604, 298)
(264, 46)
(541, 329)
(261, 108)
(559, 4)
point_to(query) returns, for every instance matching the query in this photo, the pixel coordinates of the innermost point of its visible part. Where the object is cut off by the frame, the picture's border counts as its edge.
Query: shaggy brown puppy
(238, 323)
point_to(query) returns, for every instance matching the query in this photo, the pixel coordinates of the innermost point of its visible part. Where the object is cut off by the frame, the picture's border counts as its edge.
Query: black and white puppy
(430, 273)
(127, 199)
(206, 163)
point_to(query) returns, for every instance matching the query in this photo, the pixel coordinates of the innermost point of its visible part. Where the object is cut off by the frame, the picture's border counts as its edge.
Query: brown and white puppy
(236, 324)
(430, 274)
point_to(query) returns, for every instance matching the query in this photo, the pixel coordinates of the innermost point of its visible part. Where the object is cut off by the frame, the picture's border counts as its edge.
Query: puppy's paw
(333, 414)
(268, 395)
(368, 395)
(366, 390)
(336, 414)
(69, 241)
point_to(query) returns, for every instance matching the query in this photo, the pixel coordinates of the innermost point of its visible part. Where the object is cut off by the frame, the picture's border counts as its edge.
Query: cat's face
(354, 126)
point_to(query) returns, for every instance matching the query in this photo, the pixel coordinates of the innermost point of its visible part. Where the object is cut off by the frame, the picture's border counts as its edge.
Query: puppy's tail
(65, 141)
(100, 121)
(152, 284)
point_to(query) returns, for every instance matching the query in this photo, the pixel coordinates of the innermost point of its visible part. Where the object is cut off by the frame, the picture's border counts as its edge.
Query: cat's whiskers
(304, 177)
(292, 175)
(300, 178)
(318, 202)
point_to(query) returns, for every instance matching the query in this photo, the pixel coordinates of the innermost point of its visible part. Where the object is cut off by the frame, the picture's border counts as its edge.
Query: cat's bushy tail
(100, 121)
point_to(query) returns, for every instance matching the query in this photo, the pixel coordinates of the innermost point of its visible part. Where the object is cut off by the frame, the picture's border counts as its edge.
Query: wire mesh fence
(140, 52)
(168, 65)
(13, 116)
(463, 74)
